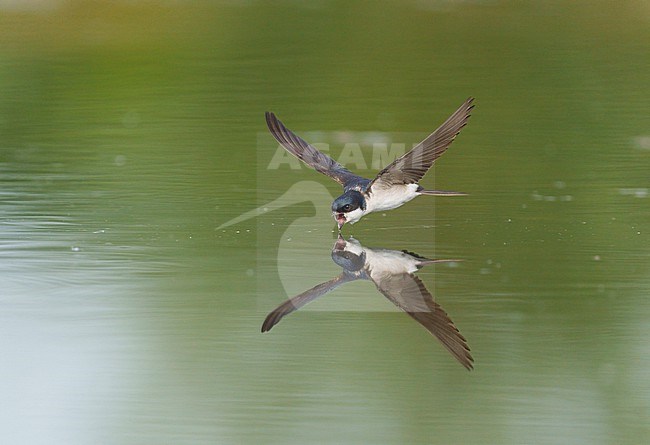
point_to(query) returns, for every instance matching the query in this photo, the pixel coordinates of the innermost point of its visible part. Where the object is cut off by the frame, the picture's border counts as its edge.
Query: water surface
(131, 134)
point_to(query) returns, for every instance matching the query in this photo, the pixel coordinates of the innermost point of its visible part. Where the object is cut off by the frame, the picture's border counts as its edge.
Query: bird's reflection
(392, 271)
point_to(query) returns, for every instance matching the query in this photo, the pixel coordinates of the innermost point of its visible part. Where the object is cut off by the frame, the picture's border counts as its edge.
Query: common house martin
(393, 273)
(394, 186)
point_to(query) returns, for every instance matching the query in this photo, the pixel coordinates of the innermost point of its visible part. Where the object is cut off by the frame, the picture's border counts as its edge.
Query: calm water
(130, 135)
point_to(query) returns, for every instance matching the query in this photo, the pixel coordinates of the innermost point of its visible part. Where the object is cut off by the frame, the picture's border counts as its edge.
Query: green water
(130, 133)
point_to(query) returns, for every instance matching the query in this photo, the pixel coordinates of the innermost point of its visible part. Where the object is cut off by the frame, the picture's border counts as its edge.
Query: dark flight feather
(412, 166)
(308, 154)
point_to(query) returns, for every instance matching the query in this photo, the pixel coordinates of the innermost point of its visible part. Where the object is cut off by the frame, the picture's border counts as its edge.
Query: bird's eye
(347, 208)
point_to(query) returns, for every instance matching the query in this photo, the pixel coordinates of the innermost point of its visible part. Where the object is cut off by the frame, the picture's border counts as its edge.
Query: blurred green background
(130, 131)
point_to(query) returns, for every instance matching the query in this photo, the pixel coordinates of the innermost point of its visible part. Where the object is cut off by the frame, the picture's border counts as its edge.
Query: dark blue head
(349, 201)
(348, 207)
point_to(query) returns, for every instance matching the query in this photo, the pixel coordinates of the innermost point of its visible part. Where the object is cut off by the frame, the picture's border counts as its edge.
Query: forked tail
(441, 193)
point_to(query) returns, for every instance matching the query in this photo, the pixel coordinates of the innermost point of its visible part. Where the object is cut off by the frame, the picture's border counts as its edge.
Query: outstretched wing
(307, 153)
(411, 167)
(407, 292)
(302, 299)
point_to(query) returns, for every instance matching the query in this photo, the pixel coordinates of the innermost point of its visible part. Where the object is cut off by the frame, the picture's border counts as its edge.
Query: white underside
(387, 262)
(390, 198)
(384, 262)
(384, 199)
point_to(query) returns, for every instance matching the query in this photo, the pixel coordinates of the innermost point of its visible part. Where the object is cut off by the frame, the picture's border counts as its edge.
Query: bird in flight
(394, 186)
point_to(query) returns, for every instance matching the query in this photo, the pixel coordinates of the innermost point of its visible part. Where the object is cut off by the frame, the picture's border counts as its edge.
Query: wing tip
(469, 105)
(269, 322)
(270, 117)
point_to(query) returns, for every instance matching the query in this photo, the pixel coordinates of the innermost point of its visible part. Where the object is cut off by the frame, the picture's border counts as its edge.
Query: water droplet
(75, 249)
(120, 160)
(642, 142)
(636, 192)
